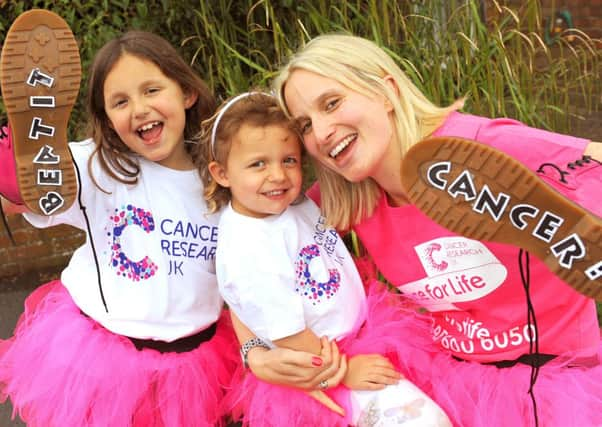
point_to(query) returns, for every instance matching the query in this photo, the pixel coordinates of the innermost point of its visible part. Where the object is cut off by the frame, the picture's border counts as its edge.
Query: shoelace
(583, 161)
(525, 274)
(3, 134)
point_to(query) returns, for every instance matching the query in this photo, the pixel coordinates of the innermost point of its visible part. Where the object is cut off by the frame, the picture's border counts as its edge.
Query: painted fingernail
(316, 361)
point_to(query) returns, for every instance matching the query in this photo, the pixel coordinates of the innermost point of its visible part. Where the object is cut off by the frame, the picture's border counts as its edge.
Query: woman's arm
(288, 367)
(299, 369)
(364, 372)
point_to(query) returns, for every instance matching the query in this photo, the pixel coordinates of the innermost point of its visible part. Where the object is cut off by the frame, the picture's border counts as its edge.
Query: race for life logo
(458, 269)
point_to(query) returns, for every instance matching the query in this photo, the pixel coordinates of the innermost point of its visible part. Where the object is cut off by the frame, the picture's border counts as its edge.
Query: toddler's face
(263, 170)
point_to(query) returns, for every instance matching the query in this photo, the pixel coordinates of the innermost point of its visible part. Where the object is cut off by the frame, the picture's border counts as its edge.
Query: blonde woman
(518, 345)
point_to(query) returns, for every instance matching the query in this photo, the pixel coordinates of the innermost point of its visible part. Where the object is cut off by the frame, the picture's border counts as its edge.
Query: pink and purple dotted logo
(124, 266)
(308, 286)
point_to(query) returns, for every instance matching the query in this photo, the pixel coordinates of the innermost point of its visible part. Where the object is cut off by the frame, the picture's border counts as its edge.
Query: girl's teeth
(148, 126)
(274, 193)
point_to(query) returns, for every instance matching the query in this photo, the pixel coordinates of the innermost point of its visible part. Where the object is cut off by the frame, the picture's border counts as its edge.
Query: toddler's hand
(370, 372)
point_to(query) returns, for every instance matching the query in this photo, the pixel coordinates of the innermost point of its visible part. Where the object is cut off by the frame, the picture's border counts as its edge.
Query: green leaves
(449, 48)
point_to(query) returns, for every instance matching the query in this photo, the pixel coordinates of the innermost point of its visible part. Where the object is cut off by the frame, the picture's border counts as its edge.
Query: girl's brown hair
(257, 109)
(115, 158)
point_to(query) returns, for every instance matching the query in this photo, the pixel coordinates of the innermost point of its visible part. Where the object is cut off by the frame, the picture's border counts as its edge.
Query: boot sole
(506, 203)
(38, 110)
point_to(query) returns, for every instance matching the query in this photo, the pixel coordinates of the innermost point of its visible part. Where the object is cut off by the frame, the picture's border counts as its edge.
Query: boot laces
(583, 161)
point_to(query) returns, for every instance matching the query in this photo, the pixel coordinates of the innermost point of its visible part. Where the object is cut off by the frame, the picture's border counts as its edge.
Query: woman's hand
(298, 369)
(370, 372)
(302, 370)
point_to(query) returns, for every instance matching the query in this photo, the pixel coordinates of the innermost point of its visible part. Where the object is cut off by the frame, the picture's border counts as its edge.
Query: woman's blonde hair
(254, 108)
(364, 67)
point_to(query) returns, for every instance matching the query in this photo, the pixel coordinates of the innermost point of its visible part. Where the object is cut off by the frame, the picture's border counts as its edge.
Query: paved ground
(12, 295)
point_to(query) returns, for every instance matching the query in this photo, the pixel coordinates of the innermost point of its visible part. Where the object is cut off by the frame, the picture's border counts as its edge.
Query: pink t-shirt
(474, 289)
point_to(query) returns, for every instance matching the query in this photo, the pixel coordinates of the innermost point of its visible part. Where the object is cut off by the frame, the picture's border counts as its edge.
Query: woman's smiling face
(345, 130)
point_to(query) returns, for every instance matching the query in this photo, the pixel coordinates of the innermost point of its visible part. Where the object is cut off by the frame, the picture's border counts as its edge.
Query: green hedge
(447, 46)
(504, 66)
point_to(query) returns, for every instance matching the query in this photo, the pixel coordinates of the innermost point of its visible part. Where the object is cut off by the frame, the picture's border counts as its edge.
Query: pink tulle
(476, 395)
(389, 329)
(63, 369)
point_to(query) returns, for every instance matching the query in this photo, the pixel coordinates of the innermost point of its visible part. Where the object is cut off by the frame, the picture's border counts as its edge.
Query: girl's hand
(370, 372)
(302, 370)
(298, 369)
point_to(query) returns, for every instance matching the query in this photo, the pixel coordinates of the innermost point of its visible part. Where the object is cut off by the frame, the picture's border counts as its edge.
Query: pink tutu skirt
(62, 368)
(390, 329)
(476, 395)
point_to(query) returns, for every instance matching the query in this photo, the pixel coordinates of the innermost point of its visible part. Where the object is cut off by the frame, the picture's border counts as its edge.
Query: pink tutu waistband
(62, 368)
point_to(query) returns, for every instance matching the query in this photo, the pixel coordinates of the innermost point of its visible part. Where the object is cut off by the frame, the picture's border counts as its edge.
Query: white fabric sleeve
(268, 306)
(256, 277)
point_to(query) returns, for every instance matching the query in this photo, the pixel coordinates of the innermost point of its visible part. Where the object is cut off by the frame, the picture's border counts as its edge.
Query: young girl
(132, 334)
(517, 344)
(289, 278)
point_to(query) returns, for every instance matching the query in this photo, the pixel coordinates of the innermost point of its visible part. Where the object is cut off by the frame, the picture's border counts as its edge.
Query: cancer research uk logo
(458, 269)
(179, 241)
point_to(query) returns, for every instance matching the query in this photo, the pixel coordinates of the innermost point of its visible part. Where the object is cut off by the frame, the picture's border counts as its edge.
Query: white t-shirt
(284, 273)
(155, 246)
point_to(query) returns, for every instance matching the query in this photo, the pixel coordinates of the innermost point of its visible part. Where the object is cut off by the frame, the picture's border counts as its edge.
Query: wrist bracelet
(248, 345)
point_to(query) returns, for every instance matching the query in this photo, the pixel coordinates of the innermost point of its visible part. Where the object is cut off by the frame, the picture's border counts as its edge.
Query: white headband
(224, 109)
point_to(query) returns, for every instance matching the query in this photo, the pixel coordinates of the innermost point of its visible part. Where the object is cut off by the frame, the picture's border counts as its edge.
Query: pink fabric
(390, 329)
(566, 320)
(9, 188)
(477, 395)
(63, 369)
(478, 303)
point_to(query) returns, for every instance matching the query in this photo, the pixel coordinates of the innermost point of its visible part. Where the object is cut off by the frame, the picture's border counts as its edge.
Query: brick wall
(37, 250)
(586, 14)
